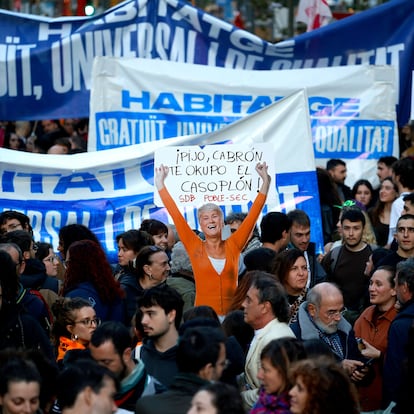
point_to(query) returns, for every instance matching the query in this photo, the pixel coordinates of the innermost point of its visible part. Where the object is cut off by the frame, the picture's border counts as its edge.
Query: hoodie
(161, 365)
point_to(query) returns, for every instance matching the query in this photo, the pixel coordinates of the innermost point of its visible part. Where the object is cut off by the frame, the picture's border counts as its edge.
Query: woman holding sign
(215, 261)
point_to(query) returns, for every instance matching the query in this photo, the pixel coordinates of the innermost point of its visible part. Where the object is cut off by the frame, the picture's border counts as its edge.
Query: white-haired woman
(215, 261)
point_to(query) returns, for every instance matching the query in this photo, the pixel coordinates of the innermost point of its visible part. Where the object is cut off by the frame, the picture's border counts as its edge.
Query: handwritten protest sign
(222, 174)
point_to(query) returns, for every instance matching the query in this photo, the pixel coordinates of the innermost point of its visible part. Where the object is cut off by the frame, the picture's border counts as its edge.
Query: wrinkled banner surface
(112, 191)
(46, 64)
(352, 108)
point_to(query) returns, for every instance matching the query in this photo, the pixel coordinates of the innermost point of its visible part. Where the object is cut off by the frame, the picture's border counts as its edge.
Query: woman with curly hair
(75, 321)
(89, 275)
(321, 386)
(381, 212)
(292, 271)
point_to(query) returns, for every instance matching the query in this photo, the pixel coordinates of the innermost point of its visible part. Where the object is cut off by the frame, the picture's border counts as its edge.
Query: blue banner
(46, 64)
(112, 191)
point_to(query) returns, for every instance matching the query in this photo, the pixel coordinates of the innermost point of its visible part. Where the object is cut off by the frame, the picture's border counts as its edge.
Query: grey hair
(405, 273)
(210, 207)
(180, 259)
(315, 294)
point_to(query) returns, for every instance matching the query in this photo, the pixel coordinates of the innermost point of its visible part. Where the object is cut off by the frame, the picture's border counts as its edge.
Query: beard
(328, 329)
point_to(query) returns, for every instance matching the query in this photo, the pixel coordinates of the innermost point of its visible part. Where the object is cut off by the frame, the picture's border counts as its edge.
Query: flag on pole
(315, 13)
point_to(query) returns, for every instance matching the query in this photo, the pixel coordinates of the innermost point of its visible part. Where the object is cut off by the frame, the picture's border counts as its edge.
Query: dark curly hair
(329, 388)
(88, 263)
(63, 312)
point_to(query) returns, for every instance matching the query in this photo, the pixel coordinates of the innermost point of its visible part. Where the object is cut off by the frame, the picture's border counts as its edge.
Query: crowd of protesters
(190, 320)
(50, 136)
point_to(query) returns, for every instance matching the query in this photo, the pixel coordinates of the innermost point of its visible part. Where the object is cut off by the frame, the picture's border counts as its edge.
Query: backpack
(335, 253)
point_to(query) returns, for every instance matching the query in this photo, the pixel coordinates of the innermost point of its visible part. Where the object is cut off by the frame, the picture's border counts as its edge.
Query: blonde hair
(368, 235)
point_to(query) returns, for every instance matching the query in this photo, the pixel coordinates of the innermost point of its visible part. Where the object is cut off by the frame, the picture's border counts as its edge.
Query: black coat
(177, 400)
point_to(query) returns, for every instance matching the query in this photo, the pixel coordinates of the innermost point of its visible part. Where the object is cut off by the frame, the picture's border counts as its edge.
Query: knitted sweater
(213, 289)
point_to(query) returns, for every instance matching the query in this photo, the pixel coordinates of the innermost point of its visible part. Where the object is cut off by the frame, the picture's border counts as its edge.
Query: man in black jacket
(161, 309)
(201, 358)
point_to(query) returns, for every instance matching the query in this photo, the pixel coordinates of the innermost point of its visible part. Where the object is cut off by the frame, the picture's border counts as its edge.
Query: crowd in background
(239, 316)
(51, 136)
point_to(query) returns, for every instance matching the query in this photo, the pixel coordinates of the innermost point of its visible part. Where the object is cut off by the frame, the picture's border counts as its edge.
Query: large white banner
(352, 108)
(112, 191)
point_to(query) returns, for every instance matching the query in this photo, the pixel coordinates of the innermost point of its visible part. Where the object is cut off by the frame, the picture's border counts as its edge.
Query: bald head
(320, 292)
(325, 306)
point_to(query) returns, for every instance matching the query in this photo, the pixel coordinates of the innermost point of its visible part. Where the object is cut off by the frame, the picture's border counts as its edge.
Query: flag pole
(291, 18)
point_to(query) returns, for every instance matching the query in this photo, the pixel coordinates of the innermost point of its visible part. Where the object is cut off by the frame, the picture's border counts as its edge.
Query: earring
(150, 276)
(74, 337)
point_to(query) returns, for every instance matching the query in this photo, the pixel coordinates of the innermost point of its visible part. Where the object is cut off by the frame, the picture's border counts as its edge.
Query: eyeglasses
(89, 322)
(51, 259)
(404, 230)
(331, 314)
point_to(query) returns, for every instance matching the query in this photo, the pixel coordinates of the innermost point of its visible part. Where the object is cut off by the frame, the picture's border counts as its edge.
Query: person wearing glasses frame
(321, 317)
(75, 321)
(404, 237)
(11, 220)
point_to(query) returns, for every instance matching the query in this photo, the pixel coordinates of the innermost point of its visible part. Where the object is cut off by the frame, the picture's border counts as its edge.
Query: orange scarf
(66, 344)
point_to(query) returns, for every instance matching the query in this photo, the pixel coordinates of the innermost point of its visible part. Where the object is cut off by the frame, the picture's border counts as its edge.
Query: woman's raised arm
(261, 169)
(161, 173)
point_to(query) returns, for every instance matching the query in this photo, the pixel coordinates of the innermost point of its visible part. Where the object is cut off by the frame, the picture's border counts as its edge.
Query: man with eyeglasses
(320, 317)
(11, 220)
(345, 264)
(403, 177)
(405, 240)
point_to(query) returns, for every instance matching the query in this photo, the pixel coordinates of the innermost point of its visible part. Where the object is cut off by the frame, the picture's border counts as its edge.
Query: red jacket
(376, 333)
